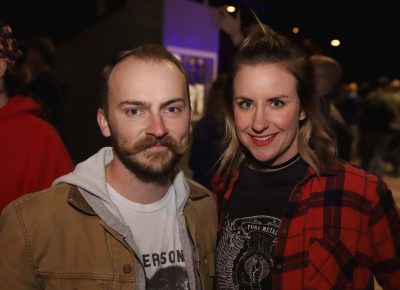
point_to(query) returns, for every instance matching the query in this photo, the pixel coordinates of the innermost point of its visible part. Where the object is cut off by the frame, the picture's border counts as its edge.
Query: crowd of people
(277, 203)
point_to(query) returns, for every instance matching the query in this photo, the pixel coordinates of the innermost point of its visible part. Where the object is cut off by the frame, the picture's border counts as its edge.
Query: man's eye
(132, 111)
(173, 109)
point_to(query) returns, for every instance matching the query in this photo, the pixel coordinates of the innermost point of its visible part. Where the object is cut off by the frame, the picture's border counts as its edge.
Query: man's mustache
(150, 141)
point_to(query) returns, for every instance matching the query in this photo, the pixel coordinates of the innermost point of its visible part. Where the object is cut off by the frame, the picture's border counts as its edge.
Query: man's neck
(132, 187)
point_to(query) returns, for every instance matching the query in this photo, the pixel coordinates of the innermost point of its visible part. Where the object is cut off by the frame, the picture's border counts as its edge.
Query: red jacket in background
(32, 153)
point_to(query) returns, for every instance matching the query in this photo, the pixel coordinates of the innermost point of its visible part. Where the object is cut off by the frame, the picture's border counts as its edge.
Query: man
(126, 218)
(32, 154)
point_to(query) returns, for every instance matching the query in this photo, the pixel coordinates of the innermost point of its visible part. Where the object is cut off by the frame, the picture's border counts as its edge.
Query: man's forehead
(132, 60)
(140, 67)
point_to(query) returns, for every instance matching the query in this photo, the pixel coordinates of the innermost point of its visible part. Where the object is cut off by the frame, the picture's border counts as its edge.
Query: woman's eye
(245, 104)
(276, 103)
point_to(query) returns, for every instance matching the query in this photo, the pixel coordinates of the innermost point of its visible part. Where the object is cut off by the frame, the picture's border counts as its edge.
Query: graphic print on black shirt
(245, 251)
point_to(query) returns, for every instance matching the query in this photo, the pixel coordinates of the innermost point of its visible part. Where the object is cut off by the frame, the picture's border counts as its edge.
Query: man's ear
(190, 120)
(103, 123)
(3, 67)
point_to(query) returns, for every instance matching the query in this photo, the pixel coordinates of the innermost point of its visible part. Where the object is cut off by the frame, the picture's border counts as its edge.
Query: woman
(292, 216)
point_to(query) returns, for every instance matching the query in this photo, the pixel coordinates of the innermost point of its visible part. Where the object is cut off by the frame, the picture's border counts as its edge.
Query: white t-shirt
(156, 233)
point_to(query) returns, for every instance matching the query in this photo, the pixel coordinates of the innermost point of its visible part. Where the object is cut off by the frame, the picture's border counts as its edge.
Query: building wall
(81, 58)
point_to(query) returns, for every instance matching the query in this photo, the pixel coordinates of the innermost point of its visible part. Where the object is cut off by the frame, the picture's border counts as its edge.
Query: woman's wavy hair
(265, 46)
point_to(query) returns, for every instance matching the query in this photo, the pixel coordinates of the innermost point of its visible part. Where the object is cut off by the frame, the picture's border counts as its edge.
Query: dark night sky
(368, 31)
(56, 19)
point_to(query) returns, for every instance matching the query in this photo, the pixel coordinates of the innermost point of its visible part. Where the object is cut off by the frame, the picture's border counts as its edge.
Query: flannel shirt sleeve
(384, 231)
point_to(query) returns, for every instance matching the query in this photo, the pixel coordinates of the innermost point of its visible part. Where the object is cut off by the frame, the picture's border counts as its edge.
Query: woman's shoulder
(354, 180)
(354, 172)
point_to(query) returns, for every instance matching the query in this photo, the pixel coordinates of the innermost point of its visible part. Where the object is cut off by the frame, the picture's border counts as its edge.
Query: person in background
(292, 215)
(45, 85)
(378, 113)
(394, 155)
(230, 24)
(350, 105)
(32, 153)
(328, 77)
(208, 134)
(127, 216)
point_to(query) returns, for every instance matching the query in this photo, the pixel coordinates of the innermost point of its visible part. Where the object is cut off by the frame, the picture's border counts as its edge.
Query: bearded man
(127, 215)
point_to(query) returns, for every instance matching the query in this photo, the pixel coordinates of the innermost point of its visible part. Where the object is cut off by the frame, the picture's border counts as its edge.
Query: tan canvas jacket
(53, 239)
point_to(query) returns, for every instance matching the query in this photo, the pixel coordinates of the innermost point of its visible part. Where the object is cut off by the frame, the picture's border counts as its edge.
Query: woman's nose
(260, 120)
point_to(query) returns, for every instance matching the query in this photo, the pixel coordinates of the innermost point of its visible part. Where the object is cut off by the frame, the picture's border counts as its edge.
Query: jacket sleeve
(384, 227)
(16, 266)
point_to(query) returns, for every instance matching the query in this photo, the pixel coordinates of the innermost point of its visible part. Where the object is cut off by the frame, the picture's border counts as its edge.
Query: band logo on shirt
(245, 252)
(157, 259)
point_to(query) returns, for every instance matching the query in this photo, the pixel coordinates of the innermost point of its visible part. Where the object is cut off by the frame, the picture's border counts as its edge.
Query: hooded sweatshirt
(32, 154)
(89, 176)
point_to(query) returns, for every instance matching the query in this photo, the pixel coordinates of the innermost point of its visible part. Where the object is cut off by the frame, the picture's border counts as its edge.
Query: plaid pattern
(338, 231)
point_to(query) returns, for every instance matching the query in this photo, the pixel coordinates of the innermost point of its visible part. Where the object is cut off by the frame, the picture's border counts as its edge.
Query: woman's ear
(103, 123)
(302, 115)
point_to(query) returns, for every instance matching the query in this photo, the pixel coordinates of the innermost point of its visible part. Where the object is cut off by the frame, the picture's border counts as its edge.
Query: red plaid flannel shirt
(338, 231)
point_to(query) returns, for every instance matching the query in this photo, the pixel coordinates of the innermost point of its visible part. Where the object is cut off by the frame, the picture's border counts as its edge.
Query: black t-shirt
(248, 236)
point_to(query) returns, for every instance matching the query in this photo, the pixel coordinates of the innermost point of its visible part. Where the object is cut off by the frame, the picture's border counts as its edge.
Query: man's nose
(156, 126)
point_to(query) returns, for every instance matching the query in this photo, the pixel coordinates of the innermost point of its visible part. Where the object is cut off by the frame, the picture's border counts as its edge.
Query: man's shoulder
(52, 199)
(196, 190)
(201, 199)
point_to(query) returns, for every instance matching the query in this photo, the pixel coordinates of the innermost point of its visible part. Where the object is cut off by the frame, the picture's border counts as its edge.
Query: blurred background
(367, 30)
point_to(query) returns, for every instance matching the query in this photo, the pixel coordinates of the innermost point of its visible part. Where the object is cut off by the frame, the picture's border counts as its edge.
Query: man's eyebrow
(169, 102)
(148, 105)
(135, 103)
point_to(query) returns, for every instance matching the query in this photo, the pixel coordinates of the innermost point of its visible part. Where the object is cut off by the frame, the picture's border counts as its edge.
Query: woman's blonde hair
(265, 46)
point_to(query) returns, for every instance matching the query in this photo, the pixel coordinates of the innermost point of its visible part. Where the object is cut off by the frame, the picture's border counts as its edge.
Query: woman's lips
(263, 140)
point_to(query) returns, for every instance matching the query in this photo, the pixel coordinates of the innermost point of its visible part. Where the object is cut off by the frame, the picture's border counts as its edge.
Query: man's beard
(155, 165)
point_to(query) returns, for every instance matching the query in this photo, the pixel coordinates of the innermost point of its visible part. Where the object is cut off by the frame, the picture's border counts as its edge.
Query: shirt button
(284, 231)
(278, 267)
(126, 268)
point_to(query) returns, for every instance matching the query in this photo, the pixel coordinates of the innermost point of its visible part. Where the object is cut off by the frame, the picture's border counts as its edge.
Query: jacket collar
(76, 200)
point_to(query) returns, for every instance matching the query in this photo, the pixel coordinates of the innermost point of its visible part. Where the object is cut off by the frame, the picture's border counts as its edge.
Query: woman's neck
(269, 168)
